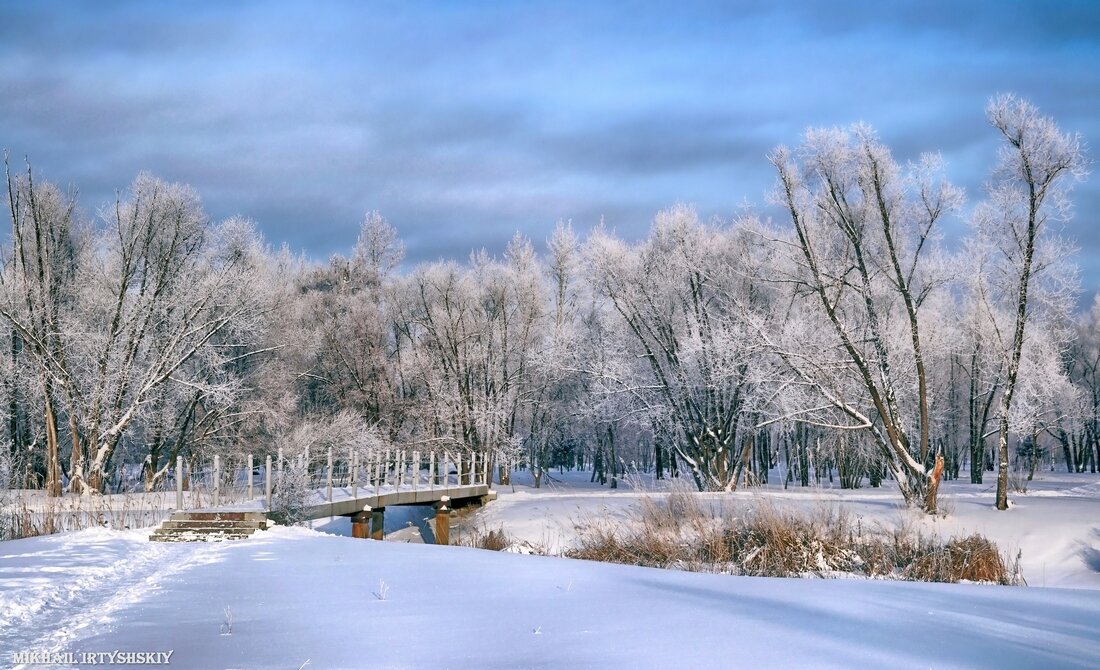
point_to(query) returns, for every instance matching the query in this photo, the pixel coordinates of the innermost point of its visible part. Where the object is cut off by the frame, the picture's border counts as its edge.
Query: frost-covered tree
(351, 354)
(556, 389)
(115, 311)
(862, 263)
(675, 297)
(1023, 259)
(1081, 442)
(981, 367)
(48, 243)
(465, 337)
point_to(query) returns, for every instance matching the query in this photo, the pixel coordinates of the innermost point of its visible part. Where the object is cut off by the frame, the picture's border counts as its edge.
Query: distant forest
(845, 339)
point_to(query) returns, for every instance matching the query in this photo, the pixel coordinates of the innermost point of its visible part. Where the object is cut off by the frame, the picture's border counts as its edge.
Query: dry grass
(972, 559)
(480, 538)
(27, 514)
(768, 542)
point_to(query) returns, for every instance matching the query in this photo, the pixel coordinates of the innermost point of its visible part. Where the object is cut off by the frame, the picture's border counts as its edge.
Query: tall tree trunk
(76, 459)
(53, 455)
(15, 444)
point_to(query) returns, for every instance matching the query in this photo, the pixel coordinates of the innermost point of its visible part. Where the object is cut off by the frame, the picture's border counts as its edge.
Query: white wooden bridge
(359, 491)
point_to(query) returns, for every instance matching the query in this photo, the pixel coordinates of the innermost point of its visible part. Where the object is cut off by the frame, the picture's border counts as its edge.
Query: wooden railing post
(329, 475)
(179, 482)
(267, 483)
(416, 469)
(250, 478)
(431, 469)
(354, 473)
(217, 480)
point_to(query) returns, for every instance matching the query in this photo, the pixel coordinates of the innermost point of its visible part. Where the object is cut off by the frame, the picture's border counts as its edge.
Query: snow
(296, 594)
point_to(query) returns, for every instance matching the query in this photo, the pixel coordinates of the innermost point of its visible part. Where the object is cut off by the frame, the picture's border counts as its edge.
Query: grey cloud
(465, 123)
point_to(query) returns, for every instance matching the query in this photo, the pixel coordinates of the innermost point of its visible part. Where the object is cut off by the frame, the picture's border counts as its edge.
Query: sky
(464, 122)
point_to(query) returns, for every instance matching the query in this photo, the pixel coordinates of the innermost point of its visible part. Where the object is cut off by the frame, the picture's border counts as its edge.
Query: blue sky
(464, 122)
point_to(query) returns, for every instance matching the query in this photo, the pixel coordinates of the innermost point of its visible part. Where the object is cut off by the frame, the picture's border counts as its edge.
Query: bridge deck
(368, 499)
(346, 501)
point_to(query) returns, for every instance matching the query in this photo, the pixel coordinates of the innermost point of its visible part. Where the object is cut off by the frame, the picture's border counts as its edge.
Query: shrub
(292, 493)
(493, 540)
(767, 542)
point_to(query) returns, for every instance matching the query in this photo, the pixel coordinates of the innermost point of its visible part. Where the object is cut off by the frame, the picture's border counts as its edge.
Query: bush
(493, 540)
(971, 559)
(766, 542)
(292, 494)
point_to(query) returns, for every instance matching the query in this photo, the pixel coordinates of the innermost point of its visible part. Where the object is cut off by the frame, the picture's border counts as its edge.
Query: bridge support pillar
(360, 525)
(443, 522)
(377, 521)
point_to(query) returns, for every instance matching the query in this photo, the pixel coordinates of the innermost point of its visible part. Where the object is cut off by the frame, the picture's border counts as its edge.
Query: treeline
(845, 340)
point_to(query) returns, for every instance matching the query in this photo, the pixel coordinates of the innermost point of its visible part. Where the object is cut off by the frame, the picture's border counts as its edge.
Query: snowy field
(296, 597)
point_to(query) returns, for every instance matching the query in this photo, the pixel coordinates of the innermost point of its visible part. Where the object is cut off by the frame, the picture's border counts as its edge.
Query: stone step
(195, 526)
(200, 531)
(202, 523)
(196, 537)
(218, 516)
(247, 530)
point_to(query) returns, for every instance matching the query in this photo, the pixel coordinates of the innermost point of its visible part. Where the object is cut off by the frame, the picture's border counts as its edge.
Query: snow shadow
(1090, 554)
(909, 621)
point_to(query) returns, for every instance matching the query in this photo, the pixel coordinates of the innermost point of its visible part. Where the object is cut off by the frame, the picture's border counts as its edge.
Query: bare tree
(465, 335)
(39, 277)
(688, 353)
(112, 321)
(1027, 196)
(1082, 446)
(863, 234)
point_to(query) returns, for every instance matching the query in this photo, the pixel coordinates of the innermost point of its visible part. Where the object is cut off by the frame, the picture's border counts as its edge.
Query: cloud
(465, 122)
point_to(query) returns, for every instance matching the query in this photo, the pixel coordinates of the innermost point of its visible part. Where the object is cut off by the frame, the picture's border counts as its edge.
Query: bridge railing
(334, 475)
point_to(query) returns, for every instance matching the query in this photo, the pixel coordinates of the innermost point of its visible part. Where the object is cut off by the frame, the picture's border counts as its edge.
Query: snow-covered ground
(295, 595)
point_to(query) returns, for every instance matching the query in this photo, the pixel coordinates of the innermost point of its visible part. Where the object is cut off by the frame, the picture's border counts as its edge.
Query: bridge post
(377, 522)
(267, 483)
(217, 480)
(179, 482)
(328, 477)
(416, 470)
(443, 522)
(360, 524)
(354, 473)
(473, 468)
(431, 469)
(250, 478)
